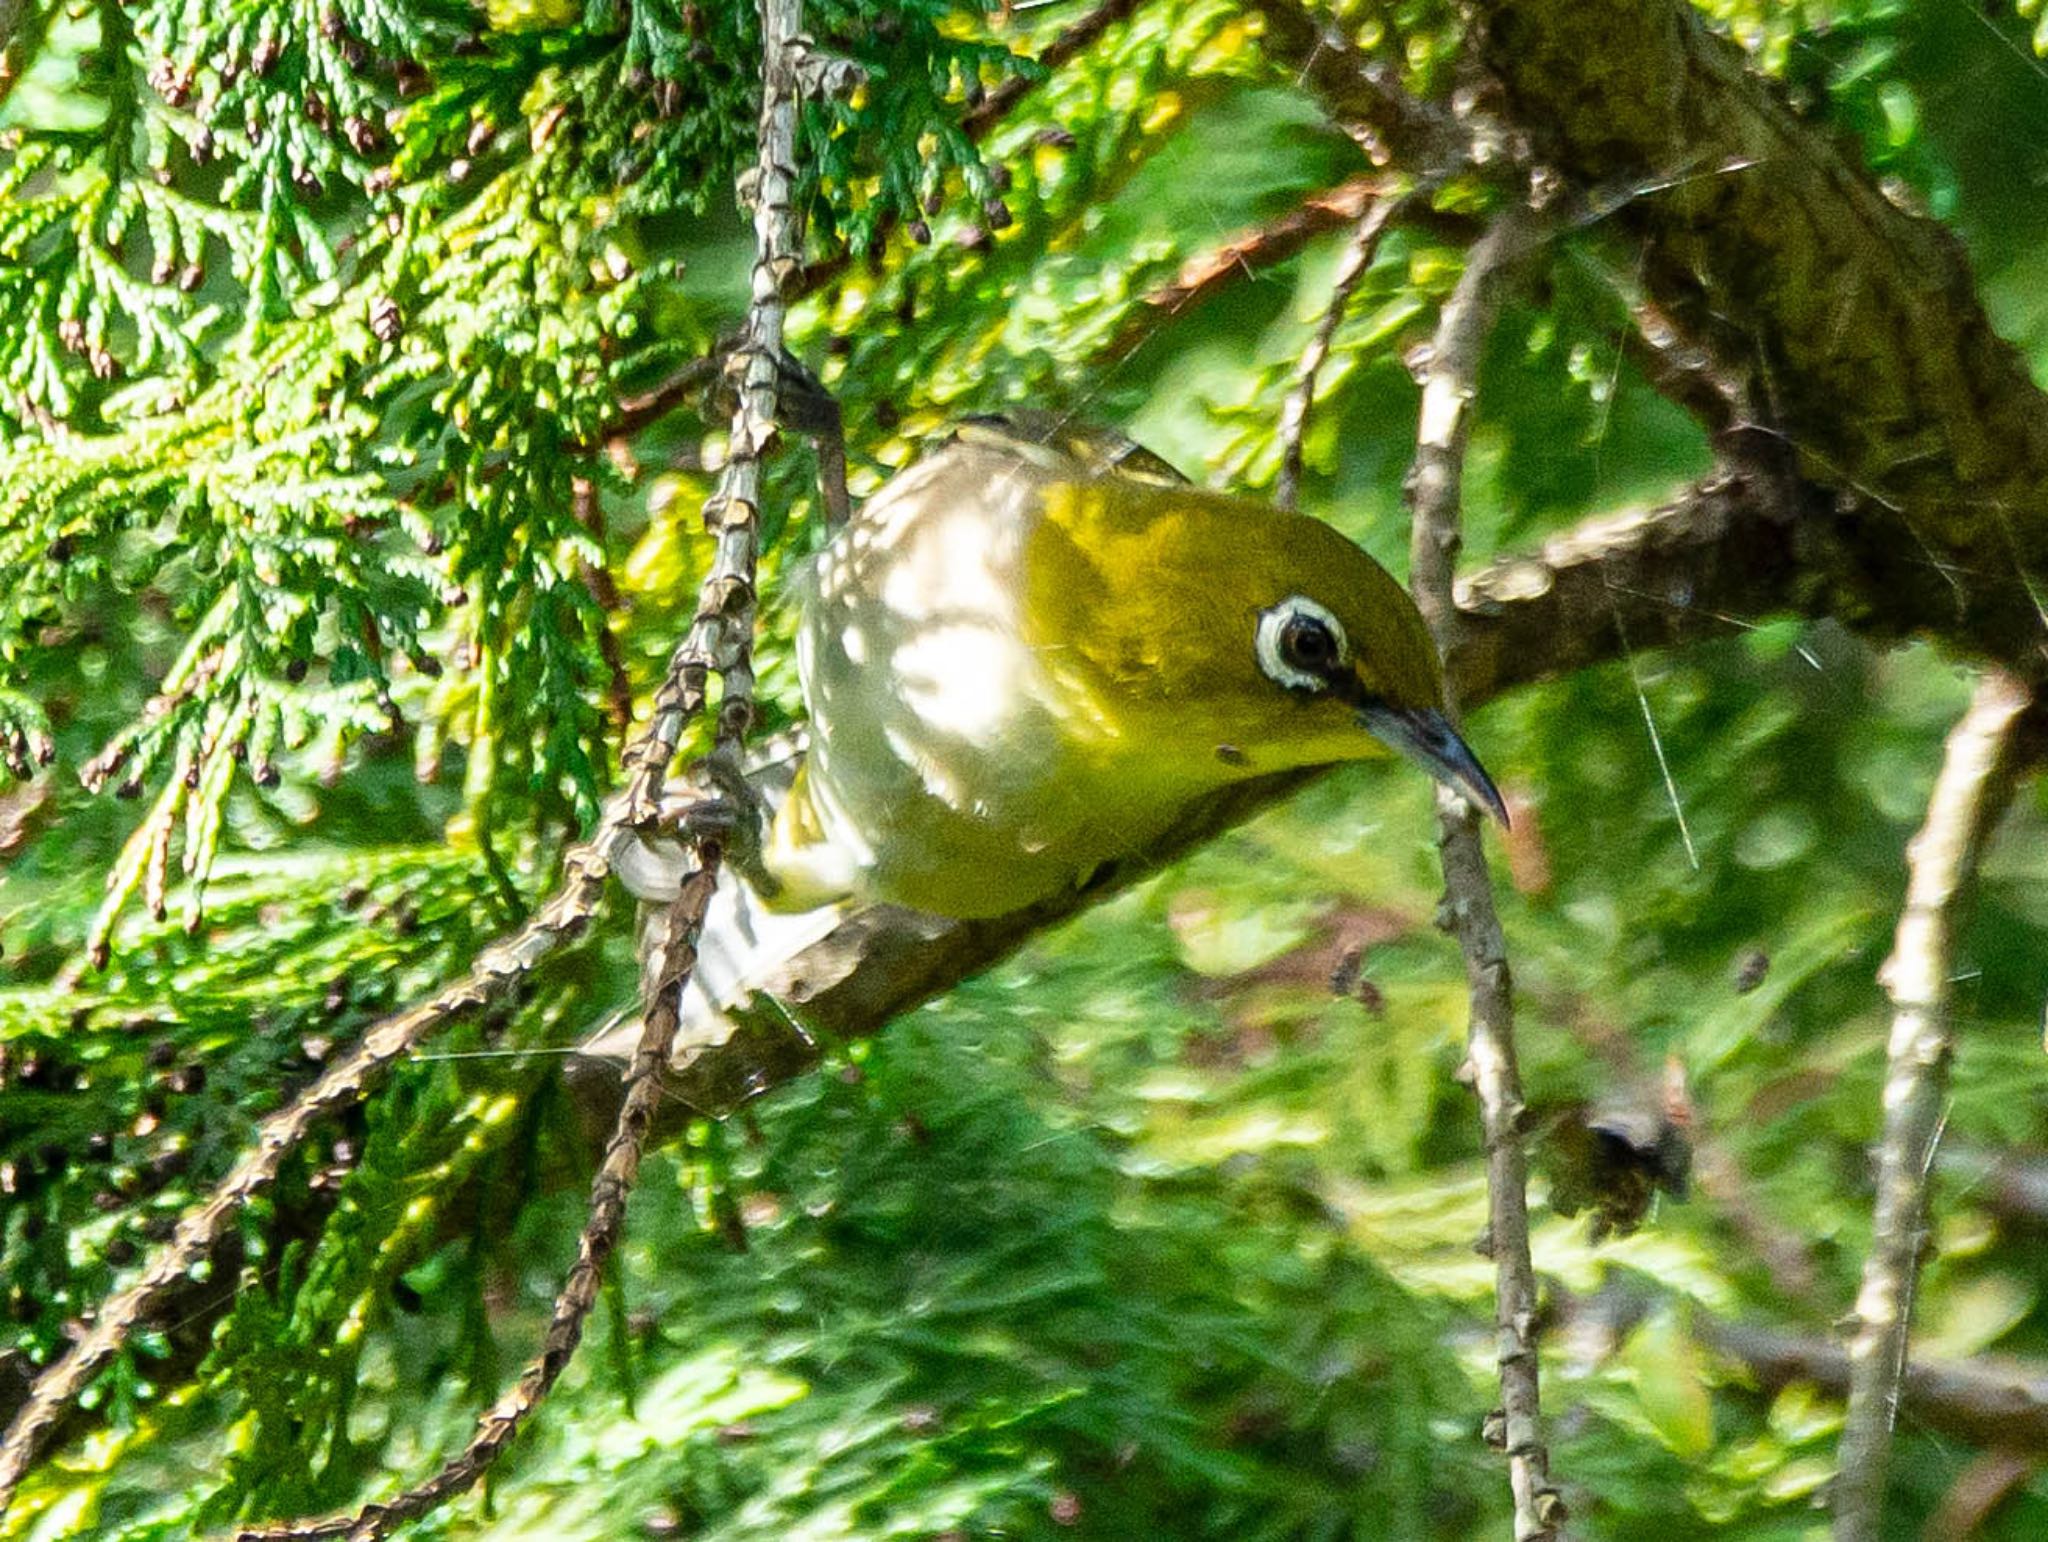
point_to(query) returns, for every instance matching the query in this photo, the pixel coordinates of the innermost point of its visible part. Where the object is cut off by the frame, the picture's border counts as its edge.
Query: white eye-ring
(1300, 644)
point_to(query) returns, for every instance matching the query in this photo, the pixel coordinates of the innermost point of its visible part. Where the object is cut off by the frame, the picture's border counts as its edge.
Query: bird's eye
(1300, 644)
(1307, 644)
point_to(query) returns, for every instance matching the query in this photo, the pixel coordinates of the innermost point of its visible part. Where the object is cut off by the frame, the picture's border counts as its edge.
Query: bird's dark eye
(1307, 644)
(1300, 645)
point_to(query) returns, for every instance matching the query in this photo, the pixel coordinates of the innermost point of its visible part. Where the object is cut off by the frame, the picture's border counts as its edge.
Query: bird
(1028, 654)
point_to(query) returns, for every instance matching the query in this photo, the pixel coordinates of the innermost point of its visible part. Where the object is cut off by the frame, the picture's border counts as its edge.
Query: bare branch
(650, 406)
(1681, 371)
(1449, 383)
(497, 1429)
(1993, 1402)
(1691, 570)
(1852, 322)
(1986, 1401)
(1978, 1491)
(1358, 255)
(1970, 795)
(719, 641)
(352, 1079)
(1207, 273)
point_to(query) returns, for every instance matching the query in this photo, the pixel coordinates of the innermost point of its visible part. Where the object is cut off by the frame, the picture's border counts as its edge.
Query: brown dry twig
(1978, 772)
(1203, 276)
(1450, 379)
(720, 641)
(1977, 1493)
(353, 1078)
(1358, 256)
(497, 1429)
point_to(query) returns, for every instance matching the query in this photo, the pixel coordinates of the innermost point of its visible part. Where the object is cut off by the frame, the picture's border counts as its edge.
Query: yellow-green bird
(1030, 652)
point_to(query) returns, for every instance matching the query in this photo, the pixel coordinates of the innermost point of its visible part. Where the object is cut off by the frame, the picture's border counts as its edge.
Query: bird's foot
(746, 835)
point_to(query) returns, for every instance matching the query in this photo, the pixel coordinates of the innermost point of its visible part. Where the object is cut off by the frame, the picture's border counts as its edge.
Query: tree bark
(1852, 320)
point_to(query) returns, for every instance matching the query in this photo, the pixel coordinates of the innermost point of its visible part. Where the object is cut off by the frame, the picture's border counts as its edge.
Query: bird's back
(936, 777)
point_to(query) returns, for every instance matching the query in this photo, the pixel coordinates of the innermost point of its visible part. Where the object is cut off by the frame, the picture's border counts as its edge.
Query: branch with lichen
(1450, 381)
(1978, 771)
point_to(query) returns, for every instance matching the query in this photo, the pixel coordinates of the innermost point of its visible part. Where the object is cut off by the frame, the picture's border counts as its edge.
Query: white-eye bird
(1030, 652)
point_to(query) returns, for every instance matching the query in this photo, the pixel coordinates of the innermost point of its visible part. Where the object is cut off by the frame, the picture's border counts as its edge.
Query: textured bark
(1852, 323)
(1450, 385)
(1970, 795)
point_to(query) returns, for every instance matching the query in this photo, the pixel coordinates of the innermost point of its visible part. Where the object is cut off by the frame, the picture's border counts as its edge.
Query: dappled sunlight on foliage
(322, 322)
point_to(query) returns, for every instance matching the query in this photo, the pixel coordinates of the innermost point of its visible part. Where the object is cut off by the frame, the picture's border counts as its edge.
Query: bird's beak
(1426, 737)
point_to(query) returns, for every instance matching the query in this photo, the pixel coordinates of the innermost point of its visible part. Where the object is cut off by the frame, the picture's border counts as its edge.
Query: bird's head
(1228, 629)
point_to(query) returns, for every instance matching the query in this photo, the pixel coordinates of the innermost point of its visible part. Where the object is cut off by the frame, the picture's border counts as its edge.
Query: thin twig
(1978, 1492)
(497, 1429)
(1975, 784)
(720, 641)
(388, 1041)
(1680, 372)
(638, 411)
(1070, 43)
(1358, 255)
(1449, 382)
(1246, 256)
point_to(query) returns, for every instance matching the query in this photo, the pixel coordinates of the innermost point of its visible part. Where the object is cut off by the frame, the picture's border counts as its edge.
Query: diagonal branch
(347, 1083)
(1994, 1402)
(1699, 568)
(1207, 273)
(1850, 322)
(720, 641)
(1976, 782)
(1986, 1400)
(1434, 489)
(1358, 255)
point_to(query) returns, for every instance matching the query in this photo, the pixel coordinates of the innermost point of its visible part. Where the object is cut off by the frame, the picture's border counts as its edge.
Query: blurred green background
(1148, 1233)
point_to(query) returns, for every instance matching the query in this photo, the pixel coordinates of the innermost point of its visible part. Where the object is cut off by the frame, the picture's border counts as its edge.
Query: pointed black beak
(1426, 737)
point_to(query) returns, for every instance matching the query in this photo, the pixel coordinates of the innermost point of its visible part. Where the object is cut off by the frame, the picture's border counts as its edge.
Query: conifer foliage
(365, 368)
